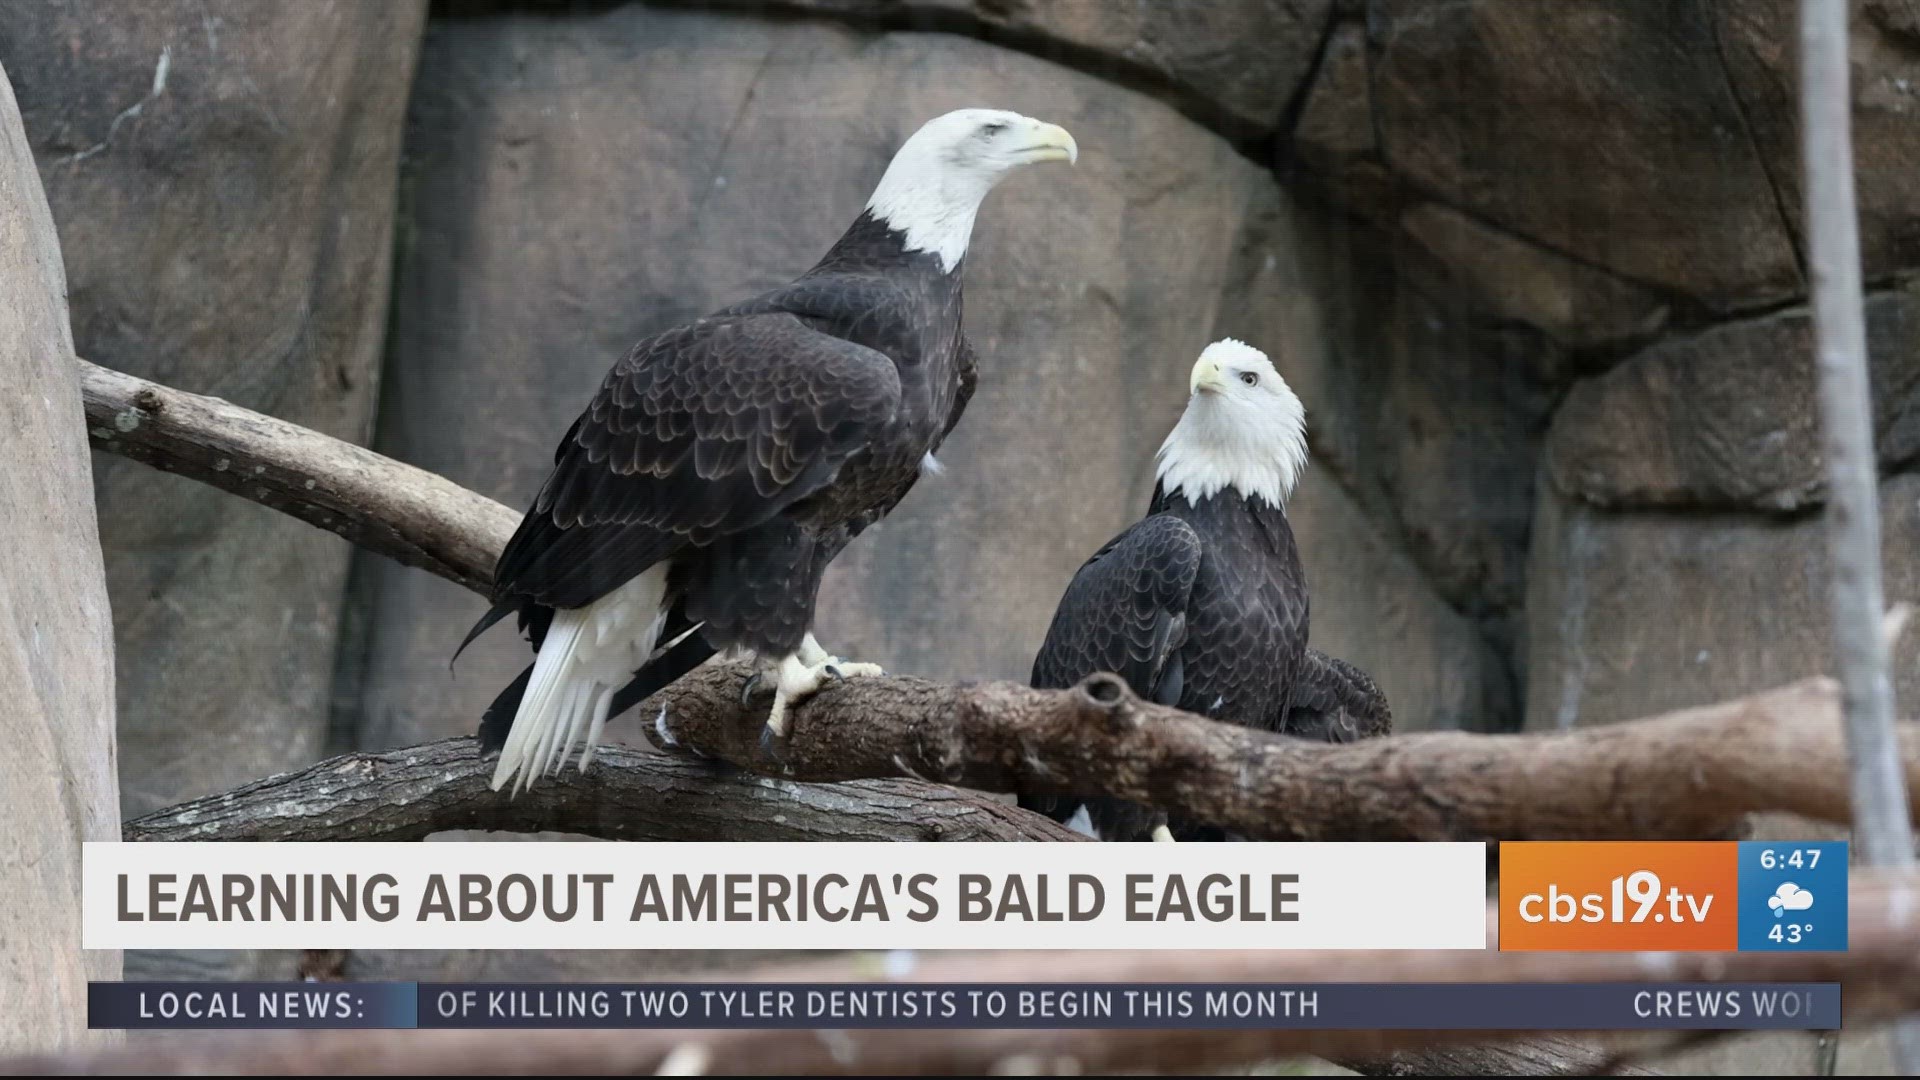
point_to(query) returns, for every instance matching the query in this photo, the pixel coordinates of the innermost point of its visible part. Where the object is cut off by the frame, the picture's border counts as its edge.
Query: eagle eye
(1250, 378)
(994, 128)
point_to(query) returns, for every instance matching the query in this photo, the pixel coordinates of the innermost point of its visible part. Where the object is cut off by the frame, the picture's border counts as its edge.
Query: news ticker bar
(1587, 896)
(1198, 1006)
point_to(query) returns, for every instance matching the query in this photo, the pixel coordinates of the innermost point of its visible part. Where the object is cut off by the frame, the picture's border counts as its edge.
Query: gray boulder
(1238, 62)
(1730, 417)
(224, 194)
(56, 639)
(1635, 614)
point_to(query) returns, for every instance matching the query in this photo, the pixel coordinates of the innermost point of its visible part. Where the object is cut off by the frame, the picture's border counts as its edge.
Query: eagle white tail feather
(587, 655)
(600, 706)
(1082, 822)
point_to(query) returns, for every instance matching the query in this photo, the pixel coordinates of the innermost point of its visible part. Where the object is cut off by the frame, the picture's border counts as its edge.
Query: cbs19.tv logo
(1675, 897)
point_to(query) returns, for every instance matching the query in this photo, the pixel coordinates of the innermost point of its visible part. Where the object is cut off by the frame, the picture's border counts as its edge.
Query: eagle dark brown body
(725, 462)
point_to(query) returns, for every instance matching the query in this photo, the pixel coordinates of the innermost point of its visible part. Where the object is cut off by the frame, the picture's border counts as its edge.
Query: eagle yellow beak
(1052, 143)
(1207, 376)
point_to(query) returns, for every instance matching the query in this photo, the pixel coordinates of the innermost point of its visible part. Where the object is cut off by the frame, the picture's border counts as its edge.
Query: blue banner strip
(1215, 1006)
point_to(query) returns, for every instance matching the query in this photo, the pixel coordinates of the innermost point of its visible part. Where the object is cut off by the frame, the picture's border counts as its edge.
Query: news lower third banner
(1577, 896)
(1215, 1006)
(862, 896)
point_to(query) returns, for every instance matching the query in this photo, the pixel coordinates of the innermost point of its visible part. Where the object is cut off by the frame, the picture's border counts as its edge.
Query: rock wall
(222, 176)
(1622, 153)
(1237, 64)
(1621, 182)
(1728, 418)
(1534, 269)
(1615, 187)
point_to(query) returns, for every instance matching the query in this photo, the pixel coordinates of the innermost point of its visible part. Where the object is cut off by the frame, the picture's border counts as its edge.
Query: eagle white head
(1243, 429)
(940, 175)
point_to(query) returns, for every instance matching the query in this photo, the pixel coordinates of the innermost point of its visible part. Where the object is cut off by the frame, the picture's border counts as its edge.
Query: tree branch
(1881, 825)
(1693, 774)
(1689, 774)
(409, 515)
(628, 795)
(1879, 973)
(1853, 514)
(1537, 1055)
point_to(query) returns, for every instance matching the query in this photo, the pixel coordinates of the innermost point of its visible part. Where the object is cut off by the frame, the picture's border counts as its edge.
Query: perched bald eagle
(1202, 605)
(724, 463)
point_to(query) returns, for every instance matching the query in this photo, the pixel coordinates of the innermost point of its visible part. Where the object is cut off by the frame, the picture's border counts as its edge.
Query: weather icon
(1789, 897)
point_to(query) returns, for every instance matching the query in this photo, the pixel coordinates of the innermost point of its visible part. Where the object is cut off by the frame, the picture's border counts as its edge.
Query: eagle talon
(751, 687)
(773, 744)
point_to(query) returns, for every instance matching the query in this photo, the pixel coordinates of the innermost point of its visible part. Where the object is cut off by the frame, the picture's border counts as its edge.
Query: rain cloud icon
(1789, 897)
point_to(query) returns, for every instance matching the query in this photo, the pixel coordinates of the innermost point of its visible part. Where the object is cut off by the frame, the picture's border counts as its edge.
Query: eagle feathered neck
(1220, 445)
(932, 207)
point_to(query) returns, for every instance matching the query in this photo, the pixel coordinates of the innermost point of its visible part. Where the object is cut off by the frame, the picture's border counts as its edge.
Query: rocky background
(1534, 268)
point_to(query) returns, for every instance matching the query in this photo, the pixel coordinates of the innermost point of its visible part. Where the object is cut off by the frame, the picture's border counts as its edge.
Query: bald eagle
(723, 463)
(1202, 605)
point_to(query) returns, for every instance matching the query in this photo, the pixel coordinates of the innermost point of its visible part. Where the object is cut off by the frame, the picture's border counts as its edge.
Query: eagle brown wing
(701, 431)
(1335, 701)
(1125, 611)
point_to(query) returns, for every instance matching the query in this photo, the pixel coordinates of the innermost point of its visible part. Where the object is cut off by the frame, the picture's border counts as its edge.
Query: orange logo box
(1607, 896)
